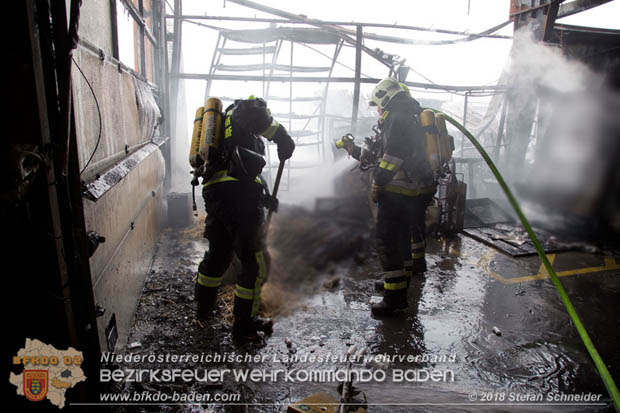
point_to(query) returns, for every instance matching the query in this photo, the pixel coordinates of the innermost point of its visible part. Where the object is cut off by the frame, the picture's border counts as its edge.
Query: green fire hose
(598, 361)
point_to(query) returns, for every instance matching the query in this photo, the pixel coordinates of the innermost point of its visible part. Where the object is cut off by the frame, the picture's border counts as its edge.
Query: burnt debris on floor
(491, 319)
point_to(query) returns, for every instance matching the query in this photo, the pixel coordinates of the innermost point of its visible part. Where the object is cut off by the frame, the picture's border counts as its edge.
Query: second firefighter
(403, 186)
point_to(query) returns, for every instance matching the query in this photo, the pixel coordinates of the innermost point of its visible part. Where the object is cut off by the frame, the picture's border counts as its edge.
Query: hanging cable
(92, 155)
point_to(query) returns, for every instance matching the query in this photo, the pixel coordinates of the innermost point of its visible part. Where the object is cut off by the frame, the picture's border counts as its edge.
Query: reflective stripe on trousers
(210, 282)
(417, 251)
(395, 280)
(254, 294)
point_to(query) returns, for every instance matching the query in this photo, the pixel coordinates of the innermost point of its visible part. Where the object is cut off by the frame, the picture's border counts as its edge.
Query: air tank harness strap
(222, 176)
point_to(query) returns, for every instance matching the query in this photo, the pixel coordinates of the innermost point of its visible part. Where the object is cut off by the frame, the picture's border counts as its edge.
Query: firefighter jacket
(245, 121)
(403, 167)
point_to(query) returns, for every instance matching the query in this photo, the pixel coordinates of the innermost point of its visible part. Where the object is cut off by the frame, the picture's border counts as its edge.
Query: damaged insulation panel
(123, 172)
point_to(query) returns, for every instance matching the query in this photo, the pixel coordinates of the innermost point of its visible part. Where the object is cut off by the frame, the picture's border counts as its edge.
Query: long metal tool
(276, 185)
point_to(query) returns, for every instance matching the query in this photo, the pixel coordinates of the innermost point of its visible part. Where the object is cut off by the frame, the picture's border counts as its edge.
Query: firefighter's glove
(349, 147)
(197, 173)
(375, 192)
(286, 146)
(271, 203)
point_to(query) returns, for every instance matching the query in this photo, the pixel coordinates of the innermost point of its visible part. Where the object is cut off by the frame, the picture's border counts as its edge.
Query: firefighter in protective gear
(403, 186)
(235, 202)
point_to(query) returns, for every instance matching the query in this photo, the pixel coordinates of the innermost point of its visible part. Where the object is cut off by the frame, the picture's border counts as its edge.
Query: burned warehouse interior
(271, 206)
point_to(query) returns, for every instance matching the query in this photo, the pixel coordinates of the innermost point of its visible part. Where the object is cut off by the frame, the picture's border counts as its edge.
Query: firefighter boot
(393, 302)
(206, 298)
(247, 325)
(248, 328)
(410, 270)
(394, 295)
(379, 285)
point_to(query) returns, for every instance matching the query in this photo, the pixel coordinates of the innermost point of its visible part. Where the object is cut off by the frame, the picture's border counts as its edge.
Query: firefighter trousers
(234, 225)
(401, 239)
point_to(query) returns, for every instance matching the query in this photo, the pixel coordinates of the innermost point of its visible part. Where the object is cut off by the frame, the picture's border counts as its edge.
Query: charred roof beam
(485, 34)
(318, 79)
(577, 6)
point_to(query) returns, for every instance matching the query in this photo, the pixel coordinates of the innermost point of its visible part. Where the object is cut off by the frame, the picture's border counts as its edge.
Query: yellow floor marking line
(609, 265)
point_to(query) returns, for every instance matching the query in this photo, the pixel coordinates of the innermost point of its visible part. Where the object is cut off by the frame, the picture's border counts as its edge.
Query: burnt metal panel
(597, 48)
(106, 181)
(128, 214)
(577, 6)
(513, 240)
(115, 109)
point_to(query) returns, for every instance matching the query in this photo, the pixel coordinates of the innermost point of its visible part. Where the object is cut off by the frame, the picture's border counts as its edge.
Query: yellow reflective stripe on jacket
(271, 130)
(392, 159)
(390, 162)
(222, 176)
(207, 281)
(417, 245)
(386, 165)
(228, 125)
(244, 293)
(417, 255)
(395, 286)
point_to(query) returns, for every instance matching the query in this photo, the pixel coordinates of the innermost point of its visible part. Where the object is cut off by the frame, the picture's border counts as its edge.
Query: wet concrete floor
(491, 328)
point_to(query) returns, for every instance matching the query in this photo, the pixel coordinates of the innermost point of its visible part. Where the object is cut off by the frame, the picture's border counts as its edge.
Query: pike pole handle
(194, 208)
(276, 185)
(195, 182)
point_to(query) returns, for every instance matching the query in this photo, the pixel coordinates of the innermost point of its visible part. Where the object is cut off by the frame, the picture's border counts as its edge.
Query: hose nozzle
(344, 141)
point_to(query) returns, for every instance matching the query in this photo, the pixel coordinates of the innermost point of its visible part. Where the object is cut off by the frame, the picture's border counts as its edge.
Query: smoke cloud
(562, 135)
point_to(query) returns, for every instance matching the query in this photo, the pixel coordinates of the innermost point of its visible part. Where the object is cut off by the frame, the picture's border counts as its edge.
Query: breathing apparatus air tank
(446, 142)
(194, 150)
(211, 129)
(427, 119)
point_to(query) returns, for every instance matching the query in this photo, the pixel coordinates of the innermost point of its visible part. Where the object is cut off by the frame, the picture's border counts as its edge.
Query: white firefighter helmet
(384, 92)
